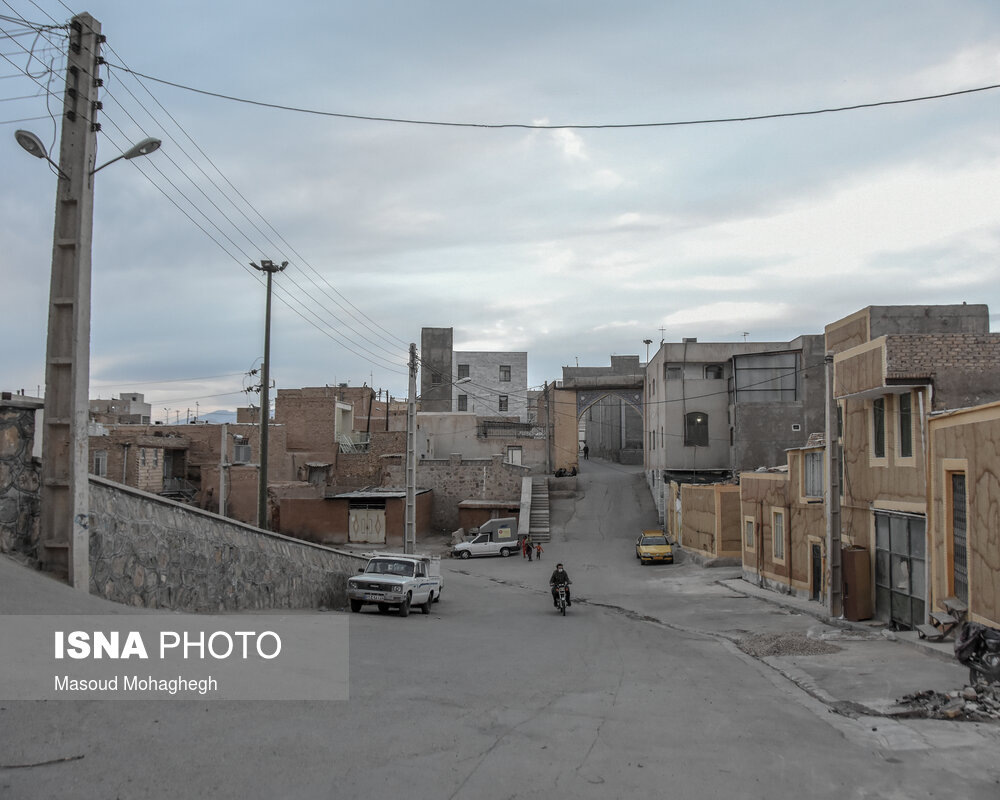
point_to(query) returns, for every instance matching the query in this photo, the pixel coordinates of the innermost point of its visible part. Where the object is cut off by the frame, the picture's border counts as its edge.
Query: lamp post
(65, 496)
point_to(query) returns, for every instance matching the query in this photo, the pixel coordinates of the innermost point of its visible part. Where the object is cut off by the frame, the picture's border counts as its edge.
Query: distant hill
(218, 417)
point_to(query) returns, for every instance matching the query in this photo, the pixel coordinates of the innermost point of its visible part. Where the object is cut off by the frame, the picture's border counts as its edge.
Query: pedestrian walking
(586, 452)
(530, 548)
(538, 551)
(524, 547)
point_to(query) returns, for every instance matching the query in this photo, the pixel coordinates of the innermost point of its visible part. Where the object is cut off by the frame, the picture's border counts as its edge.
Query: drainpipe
(125, 464)
(924, 435)
(832, 497)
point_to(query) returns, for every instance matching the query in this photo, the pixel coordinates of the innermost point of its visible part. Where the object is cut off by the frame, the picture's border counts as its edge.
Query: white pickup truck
(397, 580)
(498, 537)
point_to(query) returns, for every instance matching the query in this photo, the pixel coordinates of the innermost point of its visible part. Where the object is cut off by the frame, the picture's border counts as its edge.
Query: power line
(582, 126)
(165, 380)
(342, 326)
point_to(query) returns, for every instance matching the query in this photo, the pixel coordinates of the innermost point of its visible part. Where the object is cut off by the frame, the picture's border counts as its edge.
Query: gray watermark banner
(225, 657)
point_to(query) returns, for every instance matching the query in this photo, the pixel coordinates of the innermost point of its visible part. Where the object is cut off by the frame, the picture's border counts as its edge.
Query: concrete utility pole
(265, 387)
(65, 495)
(410, 531)
(223, 464)
(832, 492)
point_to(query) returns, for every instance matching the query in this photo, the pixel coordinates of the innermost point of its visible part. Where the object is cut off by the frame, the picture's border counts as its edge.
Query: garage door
(367, 524)
(900, 569)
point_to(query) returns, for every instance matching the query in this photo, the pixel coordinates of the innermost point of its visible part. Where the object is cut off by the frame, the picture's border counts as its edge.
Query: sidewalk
(873, 669)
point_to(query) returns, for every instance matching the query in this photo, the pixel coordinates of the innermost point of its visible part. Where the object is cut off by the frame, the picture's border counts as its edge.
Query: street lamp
(65, 496)
(143, 148)
(33, 145)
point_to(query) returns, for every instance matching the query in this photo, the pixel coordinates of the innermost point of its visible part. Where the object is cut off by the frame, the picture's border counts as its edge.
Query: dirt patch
(784, 644)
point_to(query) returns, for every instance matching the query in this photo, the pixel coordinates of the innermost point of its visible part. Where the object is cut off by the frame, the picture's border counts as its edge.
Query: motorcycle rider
(560, 578)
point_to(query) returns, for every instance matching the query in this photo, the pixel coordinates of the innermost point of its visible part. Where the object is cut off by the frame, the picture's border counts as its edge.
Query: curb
(940, 650)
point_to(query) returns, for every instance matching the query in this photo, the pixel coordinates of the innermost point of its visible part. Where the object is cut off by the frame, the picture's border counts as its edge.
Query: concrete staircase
(538, 528)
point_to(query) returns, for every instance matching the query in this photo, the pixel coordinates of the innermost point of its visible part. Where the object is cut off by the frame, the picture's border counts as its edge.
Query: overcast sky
(570, 244)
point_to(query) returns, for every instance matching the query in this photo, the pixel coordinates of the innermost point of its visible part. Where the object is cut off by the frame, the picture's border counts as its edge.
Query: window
(778, 534)
(142, 456)
(696, 429)
(435, 378)
(101, 463)
(812, 474)
(673, 373)
(502, 406)
(513, 455)
(748, 534)
(463, 402)
(463, 371)
(878, 428)
(504, 373)
(905, 426)
(713, 372)
(959, 538)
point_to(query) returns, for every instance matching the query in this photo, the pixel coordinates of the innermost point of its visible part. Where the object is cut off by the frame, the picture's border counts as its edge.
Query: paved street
(638, 692)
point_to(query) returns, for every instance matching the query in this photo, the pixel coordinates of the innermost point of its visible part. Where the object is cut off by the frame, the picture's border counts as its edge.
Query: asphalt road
(636, 693)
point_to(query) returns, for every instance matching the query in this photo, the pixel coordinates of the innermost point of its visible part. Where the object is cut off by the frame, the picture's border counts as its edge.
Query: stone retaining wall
(152, 552)
(20, 477)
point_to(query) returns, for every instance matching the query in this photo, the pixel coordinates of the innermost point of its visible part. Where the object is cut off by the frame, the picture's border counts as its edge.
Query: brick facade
(455, 480)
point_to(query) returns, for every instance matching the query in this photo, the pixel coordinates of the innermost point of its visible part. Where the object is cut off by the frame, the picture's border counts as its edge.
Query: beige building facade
(964, 509)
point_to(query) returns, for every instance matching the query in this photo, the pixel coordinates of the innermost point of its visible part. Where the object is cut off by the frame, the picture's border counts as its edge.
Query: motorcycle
(978, 648)
(561, 598)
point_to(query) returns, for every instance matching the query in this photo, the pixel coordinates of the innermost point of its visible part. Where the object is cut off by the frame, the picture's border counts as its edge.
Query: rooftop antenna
(745, 335)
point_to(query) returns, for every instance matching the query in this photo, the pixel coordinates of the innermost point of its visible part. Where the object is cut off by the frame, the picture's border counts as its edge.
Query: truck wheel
(404, 607)
(437, 597)
(426, 606)
(466, 554)
(356, 606)
(504, 552)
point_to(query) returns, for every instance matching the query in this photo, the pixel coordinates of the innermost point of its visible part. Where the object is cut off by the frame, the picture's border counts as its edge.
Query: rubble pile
(977, 704)
(784, 644)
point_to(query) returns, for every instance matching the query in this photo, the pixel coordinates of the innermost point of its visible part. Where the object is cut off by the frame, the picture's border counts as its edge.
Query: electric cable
(548, 127)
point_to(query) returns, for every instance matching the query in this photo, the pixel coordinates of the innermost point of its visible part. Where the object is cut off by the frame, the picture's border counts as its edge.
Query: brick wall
(963, 365)
(927, 352)
(455, 480)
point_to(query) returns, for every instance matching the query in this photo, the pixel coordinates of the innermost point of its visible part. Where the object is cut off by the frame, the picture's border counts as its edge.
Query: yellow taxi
(652, 546)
